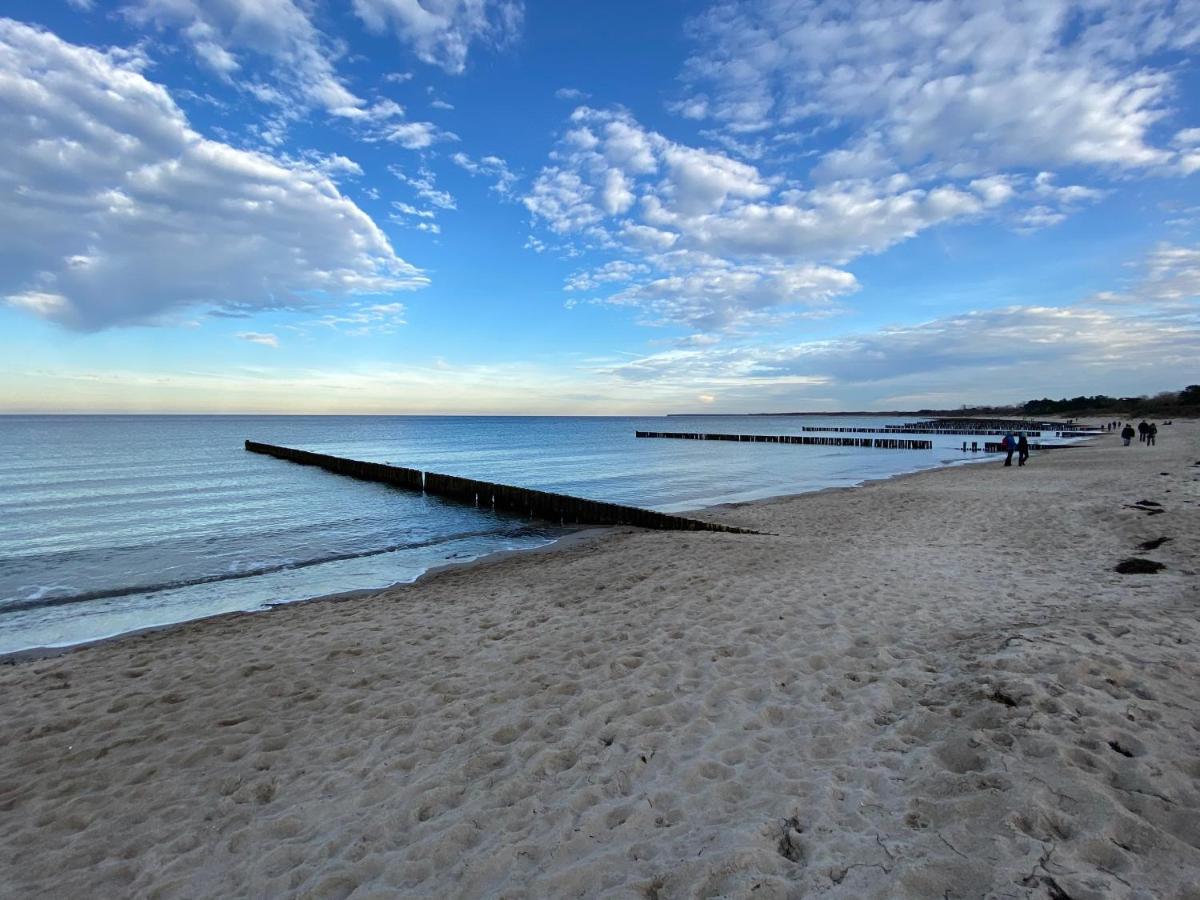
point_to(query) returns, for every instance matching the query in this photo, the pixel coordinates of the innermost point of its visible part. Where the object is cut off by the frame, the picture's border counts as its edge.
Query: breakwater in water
(561, 508)
(905, 429)
(876, 443)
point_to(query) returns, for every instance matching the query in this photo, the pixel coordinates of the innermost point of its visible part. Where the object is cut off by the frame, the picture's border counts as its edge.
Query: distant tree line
(1185, 401)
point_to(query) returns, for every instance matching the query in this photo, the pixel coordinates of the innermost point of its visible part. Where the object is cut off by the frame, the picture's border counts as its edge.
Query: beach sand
(933, 686)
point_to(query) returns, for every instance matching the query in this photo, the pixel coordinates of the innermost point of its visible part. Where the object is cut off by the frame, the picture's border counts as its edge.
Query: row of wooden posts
(904, 429)
(1002, 425)
(971, 431)
(561, 508)
(876, 443)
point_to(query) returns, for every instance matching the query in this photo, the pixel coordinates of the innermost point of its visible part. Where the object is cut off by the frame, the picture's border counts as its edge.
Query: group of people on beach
(1015, 443)
(1147, 433)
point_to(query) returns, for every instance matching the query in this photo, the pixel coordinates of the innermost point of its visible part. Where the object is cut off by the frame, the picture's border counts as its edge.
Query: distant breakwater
(875, 443)
(561, 508)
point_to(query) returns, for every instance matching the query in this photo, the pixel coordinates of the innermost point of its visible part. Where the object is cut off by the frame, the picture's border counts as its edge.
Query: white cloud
(254, 337)
(1068, 194)
(1123, 343)
(221, 32)
(363, 319)
(332, 165)
(750, 236)
(994, 190)
(644, 237)
(441, 32)
(416, 135)
(1038, 217)
(701, 182)
(966, 86)
(424, 183)
(691, 108)
(489, 167)
(1168, 283)
(563, 200)
(570, 94)
(711, 295)
(40, 303)
(616, 196)
(409, 210)
(112, 203)
(1001, 355)
(615, 270)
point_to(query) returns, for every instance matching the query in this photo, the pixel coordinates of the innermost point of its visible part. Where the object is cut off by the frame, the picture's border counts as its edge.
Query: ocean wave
(43, 596)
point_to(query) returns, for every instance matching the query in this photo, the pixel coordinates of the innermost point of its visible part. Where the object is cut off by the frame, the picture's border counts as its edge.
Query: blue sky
(473, 206)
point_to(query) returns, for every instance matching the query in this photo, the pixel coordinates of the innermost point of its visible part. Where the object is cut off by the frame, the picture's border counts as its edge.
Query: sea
(111, 524)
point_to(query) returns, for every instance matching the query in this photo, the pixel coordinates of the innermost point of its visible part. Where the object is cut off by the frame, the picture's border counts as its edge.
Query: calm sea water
(114, 523)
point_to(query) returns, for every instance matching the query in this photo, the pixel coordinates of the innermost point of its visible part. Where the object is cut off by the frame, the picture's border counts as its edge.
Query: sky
(546, 207)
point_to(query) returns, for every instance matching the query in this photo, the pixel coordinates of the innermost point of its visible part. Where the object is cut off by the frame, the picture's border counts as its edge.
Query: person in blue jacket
(1009, 444)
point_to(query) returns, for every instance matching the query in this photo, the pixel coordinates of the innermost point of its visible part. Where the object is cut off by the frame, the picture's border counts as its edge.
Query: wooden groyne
(967, 431)
(911, 429)
(560, 508)
(998, 426)
(847, 430)
(876, 443)
(997, 447)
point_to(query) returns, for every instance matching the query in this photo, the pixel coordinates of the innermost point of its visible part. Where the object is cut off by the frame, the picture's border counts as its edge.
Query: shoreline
(925, 686)
(29, 654)
(17, 657)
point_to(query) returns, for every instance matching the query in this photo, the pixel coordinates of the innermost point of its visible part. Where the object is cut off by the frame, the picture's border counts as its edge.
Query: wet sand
(931, 686)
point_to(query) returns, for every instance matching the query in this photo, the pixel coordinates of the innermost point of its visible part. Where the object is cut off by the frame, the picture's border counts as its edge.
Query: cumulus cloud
(754, 242)
(222, 32)
(273, 50)
(116, 211)
(706, 200)
(441, 32)
(415, 135)
(712, 295)
(965, 86)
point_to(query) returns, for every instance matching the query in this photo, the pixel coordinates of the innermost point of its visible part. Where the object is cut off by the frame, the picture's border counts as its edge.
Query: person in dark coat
(1022, 449)
(1009, 444)
(1151, 434)
(1127, 433)
(1143, 430)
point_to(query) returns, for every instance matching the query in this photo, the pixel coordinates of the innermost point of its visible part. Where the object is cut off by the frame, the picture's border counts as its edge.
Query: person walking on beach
(1022, 449)
(1143, 430)
(1009, 444)
(1151, 433)
(1127, 433)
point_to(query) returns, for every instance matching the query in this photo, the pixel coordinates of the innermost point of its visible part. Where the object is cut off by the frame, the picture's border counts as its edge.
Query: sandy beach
(932, 686)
